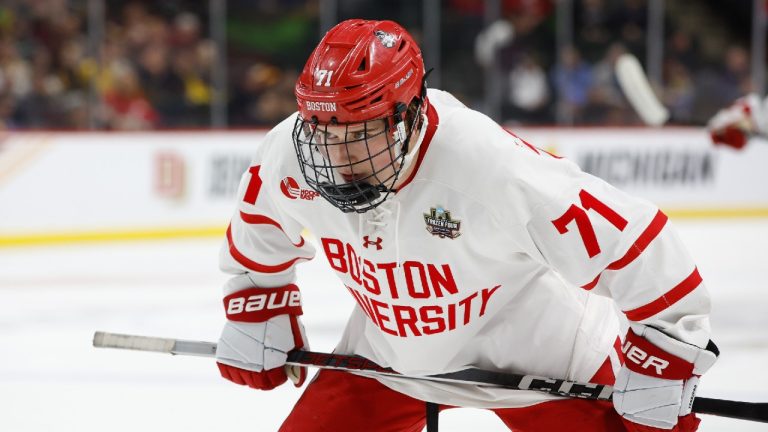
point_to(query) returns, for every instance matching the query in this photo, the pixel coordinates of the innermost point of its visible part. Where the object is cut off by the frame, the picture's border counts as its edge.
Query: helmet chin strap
(352, 194)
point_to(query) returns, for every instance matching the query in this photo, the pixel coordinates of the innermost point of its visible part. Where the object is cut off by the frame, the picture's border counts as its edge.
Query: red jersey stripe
(592, 284)
(642, 242)
(253, 265)
(257, 219)
(668, 299)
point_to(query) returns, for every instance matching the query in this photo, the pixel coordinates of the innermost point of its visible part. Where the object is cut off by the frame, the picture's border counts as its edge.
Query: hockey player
(463, 246)
(734, 125)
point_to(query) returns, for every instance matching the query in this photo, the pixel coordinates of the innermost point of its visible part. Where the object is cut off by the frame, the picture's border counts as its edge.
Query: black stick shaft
(752, 411)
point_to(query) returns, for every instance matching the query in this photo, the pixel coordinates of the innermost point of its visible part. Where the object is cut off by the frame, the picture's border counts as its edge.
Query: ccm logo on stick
(641, 358)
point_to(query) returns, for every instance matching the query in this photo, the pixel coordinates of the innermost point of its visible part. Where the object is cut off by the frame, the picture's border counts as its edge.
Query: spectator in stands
(38, 109)
(125, 106)
(163, 88)
(139, 29)
(244, 106)
(679, 93)
(186, 32)
(7, 109)
(572, 78)
(529, 94)
(593, 27)
(15, 71)
(631, 18)
(607, 105)
(735, 78)
(683, 47)
(196, 97)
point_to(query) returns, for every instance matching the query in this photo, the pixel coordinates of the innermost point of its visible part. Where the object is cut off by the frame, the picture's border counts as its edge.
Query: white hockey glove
(262, 327)
(657, 383)
(735, 125)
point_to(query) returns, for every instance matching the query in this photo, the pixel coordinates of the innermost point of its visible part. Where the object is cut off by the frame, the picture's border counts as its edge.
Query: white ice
(52, 299)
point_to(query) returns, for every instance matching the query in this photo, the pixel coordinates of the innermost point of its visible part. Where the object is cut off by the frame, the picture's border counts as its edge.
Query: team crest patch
(439, 223)
(291, 189)
(387, 39)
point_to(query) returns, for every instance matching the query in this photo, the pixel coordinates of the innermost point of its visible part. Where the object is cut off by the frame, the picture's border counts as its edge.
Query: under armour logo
(367, 242)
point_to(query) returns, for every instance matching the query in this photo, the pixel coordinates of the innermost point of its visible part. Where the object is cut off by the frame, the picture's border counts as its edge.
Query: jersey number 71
(584, 225)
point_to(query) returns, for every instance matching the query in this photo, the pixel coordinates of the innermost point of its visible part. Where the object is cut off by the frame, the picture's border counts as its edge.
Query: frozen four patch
(439, 223)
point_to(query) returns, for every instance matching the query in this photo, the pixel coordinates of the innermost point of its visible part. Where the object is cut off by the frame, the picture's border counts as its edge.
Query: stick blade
(636, 87)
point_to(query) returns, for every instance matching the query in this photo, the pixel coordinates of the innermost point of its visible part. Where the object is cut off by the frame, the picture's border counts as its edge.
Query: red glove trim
(688, 423)
(645, 358)
(264, 380)
(260, 304)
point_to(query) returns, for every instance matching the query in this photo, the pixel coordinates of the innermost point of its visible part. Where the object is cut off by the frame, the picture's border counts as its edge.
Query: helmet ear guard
(410, 115)
(399, 119)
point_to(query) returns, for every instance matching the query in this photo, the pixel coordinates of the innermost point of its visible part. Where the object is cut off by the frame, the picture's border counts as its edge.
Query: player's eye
(363, 134)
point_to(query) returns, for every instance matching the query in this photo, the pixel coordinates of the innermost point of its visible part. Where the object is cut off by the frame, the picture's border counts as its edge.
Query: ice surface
(52, 299)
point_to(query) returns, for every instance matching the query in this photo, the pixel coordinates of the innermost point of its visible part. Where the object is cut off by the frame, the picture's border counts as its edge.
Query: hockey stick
(753, 411)
(634, 83)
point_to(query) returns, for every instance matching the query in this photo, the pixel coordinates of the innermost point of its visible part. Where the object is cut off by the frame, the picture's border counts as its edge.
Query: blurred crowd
(145, 70)
(148, 65)
(699, 75)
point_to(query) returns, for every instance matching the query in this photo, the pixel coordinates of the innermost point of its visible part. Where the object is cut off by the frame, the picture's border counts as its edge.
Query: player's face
(359, 152)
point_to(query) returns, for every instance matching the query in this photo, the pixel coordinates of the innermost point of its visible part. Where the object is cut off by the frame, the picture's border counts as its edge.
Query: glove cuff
(650, 352)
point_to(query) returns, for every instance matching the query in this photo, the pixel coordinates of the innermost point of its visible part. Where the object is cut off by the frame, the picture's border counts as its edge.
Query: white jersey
(488, 256)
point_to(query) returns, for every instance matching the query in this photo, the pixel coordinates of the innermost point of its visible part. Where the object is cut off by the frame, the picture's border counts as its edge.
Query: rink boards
(66, 186)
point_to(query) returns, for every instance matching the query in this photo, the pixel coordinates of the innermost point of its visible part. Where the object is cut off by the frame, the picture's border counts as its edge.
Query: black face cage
(369, 185)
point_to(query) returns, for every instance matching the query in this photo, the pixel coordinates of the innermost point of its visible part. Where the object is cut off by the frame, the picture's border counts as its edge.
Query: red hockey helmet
(358, 71)
(361, 72)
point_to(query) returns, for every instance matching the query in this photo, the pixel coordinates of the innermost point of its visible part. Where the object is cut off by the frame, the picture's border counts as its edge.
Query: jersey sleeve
(608, 242)
(262, 240)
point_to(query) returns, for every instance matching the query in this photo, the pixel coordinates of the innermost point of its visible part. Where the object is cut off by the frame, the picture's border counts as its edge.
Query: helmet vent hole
(378, 99)
(402, 45)
(362, 65)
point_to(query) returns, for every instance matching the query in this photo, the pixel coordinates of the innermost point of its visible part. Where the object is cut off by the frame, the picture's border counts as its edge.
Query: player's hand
(735, 125)
(656, 385)
(262, 326)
